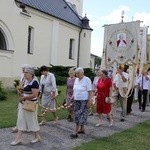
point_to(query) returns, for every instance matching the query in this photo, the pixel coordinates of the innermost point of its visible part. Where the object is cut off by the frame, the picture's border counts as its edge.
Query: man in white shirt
(120, 84)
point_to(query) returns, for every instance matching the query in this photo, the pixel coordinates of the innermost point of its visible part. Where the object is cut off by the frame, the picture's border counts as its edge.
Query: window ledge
(25, 14)
(6, 53)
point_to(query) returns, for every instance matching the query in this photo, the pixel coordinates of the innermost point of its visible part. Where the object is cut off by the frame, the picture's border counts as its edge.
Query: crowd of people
(83, 98)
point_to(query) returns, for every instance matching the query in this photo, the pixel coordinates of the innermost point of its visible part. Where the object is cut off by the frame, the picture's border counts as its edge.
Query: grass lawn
(136, 138)
(8, 108)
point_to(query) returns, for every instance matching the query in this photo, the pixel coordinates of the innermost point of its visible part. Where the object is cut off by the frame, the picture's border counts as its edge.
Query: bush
(60, 80)
(3, 94)
(16, 83)
(89, 73)
(61, 73)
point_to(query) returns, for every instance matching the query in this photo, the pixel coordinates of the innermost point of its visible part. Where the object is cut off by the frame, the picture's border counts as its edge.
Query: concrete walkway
(57, 137)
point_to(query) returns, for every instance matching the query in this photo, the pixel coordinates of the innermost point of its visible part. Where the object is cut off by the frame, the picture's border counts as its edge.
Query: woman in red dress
(104, 89)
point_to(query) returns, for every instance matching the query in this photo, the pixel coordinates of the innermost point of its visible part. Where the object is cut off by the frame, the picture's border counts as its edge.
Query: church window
(71, 48)
(2, 41)
(30, 40)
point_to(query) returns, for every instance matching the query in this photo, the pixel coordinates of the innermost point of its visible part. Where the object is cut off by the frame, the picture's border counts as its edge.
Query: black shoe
(74, 136)
(70, 120)
(81, 132)
(122, 120)
(69, 116)
(142, 110)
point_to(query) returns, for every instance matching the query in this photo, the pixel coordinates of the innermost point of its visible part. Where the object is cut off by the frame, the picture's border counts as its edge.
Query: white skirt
(27, 121)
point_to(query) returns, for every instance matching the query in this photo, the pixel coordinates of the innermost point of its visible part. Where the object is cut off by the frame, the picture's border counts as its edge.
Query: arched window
(2, 41)
(6, 38)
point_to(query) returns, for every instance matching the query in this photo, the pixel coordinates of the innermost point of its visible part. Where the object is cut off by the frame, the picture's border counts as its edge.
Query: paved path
(56, 137)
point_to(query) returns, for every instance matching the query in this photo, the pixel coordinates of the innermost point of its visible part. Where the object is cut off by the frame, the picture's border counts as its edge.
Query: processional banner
(121, 43)
(143, 50)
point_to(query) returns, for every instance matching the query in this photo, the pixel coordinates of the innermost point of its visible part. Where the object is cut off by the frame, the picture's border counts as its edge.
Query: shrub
(89, 73)
(3, 94)
(60, 80)
(16, 83)
(61, 73)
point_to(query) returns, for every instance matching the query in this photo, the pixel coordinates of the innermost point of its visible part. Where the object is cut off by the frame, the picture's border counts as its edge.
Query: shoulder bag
(29, 106)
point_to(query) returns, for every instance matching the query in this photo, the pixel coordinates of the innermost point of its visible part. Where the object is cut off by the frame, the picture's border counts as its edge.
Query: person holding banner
(120, 84)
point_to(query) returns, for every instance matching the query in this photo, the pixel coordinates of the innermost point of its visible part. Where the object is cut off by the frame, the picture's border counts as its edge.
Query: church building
(42, 32)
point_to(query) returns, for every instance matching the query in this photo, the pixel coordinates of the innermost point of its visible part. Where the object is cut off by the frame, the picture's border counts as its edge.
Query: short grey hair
(30, 70)
(26, 66)
(79, 69)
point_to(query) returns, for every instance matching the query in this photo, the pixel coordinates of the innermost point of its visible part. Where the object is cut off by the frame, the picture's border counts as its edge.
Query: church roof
(56, 8)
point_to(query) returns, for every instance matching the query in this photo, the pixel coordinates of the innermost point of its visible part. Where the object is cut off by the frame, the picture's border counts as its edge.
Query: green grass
(136, 138)
(8, 108)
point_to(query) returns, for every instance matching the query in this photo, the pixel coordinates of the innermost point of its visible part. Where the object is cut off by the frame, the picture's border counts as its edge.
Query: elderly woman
(21, 83)
(104, 89)
(69, 93)
(48, 92)
(27, 121)
(82, 92)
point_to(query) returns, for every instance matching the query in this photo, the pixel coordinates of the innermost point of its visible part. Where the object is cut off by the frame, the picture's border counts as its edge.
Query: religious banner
(143, 50)
(121, 43)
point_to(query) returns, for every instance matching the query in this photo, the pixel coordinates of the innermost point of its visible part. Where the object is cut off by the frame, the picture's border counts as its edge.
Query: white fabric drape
(143, 47)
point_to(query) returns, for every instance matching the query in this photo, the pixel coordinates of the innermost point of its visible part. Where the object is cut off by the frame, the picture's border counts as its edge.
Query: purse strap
(103, 93)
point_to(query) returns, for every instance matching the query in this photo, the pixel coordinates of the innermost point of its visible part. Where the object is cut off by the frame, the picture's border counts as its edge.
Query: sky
(101, 12)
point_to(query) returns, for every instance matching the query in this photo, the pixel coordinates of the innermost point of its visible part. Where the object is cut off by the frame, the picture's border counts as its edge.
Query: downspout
(79, 47)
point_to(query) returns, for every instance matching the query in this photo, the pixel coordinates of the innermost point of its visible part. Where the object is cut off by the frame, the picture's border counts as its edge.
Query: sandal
(42, 123)
(55, 120)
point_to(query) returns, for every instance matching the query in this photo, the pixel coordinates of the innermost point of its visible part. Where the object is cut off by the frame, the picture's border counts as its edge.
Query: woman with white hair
(82, 93)
(19, 87)
(28, 121)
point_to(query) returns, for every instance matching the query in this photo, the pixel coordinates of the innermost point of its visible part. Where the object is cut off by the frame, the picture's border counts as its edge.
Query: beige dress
(28, 121)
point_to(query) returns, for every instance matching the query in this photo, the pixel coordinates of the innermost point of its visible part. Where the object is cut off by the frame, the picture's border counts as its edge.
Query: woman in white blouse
(82, 92)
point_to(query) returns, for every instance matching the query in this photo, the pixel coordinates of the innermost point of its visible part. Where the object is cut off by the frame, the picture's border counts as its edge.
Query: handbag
(109, 100)
(29, 106)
